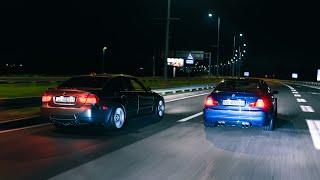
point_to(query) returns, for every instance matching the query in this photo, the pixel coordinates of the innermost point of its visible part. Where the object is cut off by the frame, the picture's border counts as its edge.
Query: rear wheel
(160, 108)
(118, 118)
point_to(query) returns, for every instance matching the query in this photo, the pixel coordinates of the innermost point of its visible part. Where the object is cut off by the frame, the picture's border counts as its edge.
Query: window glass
(136, 85)
(237, 86)
(85, 82)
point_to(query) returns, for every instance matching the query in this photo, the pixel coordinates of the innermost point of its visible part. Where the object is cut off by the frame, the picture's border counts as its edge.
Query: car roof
(241, 80)
(105, 75)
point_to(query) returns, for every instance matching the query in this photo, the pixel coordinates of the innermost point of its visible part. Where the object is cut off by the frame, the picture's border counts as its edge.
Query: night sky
(67, 37)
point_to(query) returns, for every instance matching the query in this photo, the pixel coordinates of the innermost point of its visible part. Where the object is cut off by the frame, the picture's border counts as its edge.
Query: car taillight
(46, 98)
(210, 101)
(260, 103)
(88, 99)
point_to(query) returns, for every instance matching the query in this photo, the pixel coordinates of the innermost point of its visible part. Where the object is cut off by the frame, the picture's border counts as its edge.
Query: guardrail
(183, 89)
(11, 103)
(309, 83)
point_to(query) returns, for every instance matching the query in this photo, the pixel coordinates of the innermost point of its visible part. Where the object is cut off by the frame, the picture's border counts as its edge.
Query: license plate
(229, 102)
(65, 99)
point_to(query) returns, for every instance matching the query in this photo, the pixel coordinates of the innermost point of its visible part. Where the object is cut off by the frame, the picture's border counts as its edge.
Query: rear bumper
(213, 117)
(74, 116)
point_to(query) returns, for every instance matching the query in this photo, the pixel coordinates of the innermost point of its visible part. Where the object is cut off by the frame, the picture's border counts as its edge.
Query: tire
(276, 108)
(160, 109)
(270, 126)
(118, 118)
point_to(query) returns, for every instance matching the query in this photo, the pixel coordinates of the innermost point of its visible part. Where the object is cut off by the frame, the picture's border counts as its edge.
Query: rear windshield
(85, 82)
(237, 86)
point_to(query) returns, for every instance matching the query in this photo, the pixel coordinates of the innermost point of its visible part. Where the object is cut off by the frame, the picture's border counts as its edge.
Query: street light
(218, 40)
(241, 34)
(104, 49)
(166, 49)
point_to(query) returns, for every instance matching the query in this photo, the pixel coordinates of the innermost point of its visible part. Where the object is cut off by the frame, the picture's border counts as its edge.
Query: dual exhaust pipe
(243, 124)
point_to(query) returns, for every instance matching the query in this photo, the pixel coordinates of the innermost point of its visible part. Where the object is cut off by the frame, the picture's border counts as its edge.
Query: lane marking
(301, 100)
(23, 128)
(187, 97)
(19, 119)
(182, 120)
(297, 95)
(306, 108)
(295, 92)
(190, 117)
(314, 127)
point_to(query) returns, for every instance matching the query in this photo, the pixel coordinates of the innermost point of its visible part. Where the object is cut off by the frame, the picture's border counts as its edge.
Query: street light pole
(103, 58)
(165, 73)
(218, 44)
(233, 51)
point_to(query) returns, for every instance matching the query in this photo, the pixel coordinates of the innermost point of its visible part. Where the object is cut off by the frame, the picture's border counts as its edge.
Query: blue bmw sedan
(241, 102)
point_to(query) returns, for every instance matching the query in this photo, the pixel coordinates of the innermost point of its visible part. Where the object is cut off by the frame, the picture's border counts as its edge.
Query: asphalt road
(178, 147)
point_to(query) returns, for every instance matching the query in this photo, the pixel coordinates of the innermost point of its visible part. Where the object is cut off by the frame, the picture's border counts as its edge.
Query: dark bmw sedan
(104, 100)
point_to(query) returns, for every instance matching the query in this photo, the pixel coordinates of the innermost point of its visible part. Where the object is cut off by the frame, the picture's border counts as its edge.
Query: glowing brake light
(259, 104)
(210, 101)
(46, 98)
(88, 99)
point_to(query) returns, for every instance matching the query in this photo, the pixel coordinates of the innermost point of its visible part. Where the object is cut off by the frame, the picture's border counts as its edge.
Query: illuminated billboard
(318, 75)
(246, 74)
(176, 62)
(294, 75)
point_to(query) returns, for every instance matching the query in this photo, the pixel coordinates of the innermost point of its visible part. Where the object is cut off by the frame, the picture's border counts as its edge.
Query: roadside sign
(246, 74)
(190, 59)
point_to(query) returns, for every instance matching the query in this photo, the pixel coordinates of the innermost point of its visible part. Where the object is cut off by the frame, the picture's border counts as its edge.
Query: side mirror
(275, 92)
(148, 89)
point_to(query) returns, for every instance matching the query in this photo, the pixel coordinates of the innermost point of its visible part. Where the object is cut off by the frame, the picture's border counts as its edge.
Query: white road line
(301, 100)
(295, 92)
(306, 108)
(314, 129)
(190, 117)
(186, 97)
(28, 127)
(19, 119)
(297, 95)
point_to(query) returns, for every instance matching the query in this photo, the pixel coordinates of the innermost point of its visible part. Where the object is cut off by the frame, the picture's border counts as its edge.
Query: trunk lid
(68, 97)
(235, 100)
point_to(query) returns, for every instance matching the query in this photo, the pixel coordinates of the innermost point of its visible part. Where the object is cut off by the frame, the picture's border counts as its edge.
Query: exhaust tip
(245, 125)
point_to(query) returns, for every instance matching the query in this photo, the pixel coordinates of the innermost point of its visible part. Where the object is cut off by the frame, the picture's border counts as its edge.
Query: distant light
(244, 51)
(141, 68)
(244, 45)
(7, 64)
(241, 34)
(236, 55)
(246, 74)
(210, 15)
(236, 50)
(294, 75)
(21, 65)
(104, 48)
(242, 55)
(318, 75)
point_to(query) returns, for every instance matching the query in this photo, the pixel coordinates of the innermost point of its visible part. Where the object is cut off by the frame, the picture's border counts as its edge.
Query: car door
(146, 99)
(130, 98)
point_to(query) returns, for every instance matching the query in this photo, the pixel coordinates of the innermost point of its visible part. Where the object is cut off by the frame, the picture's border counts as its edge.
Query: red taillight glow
(88, 99)
(260, 103)
(210, 101)
(46, 98)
